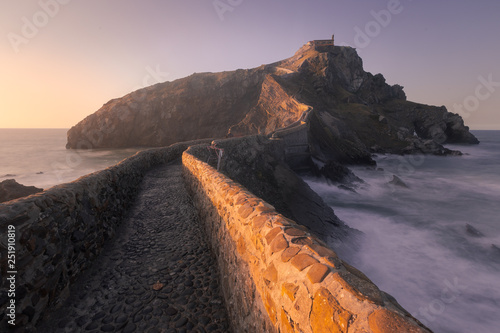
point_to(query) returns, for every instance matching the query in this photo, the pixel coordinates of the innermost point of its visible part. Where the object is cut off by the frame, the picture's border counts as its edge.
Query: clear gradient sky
(60, 60)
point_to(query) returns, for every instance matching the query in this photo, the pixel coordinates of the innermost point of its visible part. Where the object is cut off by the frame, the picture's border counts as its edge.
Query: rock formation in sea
(10, 190)
(350, 113)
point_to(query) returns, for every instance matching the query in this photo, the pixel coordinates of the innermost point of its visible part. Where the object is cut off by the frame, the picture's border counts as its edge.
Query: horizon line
(47, 128)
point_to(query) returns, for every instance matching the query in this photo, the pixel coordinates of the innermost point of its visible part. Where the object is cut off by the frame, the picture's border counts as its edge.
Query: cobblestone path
(157, 274)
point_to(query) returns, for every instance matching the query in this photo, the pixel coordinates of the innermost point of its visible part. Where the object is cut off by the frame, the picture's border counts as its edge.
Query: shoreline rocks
(11, 190)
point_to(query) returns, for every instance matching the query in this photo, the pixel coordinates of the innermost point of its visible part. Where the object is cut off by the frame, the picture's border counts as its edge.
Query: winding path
(157, 275)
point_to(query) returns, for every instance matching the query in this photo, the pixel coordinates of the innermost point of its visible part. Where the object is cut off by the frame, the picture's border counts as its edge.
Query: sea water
(435, 244)
(38, 157)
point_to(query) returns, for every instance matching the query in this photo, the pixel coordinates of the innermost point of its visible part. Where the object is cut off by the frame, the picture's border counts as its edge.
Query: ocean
(38, 157)
(435, 244)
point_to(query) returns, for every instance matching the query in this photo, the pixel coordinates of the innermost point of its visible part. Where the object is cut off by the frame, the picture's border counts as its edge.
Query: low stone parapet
(57, 233)
(276, 276)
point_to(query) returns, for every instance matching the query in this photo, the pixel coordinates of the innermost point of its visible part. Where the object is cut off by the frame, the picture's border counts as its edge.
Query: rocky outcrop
(353, 113)
(472, 231)
(199, 106)
(336, 173)
(10, 190)
(275, 109)
(396, 181)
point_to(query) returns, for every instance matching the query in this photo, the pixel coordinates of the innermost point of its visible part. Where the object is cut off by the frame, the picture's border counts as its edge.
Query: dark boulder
(336, 173)
(10, 190)
(396, 181)
(472, 231)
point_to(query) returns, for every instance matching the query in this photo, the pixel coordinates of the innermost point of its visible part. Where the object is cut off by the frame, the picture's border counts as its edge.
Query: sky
(61, 60)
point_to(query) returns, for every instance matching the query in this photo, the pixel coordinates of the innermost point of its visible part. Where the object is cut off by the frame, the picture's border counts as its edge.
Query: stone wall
(295, 138)
(61, 230)
(276, 276)
(296, 143)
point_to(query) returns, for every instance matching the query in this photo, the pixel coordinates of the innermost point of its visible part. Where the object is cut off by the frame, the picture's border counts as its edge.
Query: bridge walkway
(158, 273)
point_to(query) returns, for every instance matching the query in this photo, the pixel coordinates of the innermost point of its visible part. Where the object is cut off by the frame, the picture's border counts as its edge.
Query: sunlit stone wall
(276, 276)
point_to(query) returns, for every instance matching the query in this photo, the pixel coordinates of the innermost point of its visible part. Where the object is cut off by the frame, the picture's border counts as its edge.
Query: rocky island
(349, 113)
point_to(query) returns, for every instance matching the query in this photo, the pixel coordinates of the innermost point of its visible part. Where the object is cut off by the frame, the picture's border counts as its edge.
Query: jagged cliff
(353, 113)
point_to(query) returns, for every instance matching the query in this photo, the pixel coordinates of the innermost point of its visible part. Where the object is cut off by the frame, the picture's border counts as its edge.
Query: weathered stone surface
(385, 321)
(278, 244)
(260, 221)
(289, 253)
(241, 246)
(270, 307)
(294, 232)
(283, 222)
(272, 234)
(302, 260)
(286, 326)
(361, 288)
(353, 270)
(317, 272)
(271, 274)
(302, 241)
(241, 199)
(245, 211)
(290, 290)
(322, 251)
(327, 315)
(264, 208)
